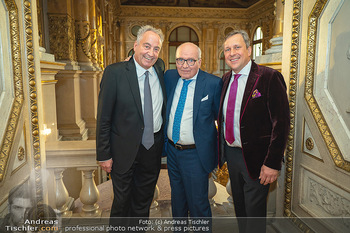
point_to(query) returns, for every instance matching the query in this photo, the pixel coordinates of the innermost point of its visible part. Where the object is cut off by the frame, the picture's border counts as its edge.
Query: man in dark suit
(253, 128)
(192, 108)
(130, 119)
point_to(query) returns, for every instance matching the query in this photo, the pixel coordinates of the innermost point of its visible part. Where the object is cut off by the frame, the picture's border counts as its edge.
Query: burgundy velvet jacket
(264, 121)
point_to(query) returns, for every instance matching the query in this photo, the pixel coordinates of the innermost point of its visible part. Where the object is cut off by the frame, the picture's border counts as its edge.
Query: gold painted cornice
(183, 12)
(196, 12)
(321, 122)
(12, 121)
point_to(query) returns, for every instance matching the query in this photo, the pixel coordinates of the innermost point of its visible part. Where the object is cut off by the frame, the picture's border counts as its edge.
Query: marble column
(62, 33)
(83, 34)
(93, 34)
(273, 56)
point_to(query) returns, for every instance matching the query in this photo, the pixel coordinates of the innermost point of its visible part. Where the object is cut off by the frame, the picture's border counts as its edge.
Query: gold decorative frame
(12, 122)
(39, 195)
(321, 122)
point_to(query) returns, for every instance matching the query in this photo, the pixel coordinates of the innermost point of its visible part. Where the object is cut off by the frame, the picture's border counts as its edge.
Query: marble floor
(222, 209)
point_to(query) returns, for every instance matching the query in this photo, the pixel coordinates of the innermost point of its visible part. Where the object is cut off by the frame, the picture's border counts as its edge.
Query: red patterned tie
(230, 112)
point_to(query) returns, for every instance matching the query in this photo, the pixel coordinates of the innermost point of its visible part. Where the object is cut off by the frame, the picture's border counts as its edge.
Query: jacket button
(242, 126)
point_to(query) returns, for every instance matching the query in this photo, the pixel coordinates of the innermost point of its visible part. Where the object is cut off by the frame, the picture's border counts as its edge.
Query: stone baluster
(212, 189)
(63, 201)
(154, 209)
(155, 197)
(229, 191)
(89, 194)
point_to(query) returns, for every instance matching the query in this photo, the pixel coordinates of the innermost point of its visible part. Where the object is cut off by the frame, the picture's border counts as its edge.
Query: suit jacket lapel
(134, 85)
(171, 95)
(251, 83)
(198, 93)
(161, 81)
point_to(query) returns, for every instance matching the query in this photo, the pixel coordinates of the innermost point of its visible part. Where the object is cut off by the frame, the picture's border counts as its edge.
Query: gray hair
(241, 32)
(147, 28)
(199, 49)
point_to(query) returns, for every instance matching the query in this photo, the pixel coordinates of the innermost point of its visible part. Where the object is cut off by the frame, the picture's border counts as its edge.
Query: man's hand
(106, 165)
(267, 175)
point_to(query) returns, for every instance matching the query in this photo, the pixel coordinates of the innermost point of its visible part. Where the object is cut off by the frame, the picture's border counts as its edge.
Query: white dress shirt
(242, 81)
(186, 126)
(156, 92)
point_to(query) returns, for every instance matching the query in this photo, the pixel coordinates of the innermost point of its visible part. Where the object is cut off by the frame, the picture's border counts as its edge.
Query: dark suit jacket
(119, 117)
(205, 113)
(264, 119)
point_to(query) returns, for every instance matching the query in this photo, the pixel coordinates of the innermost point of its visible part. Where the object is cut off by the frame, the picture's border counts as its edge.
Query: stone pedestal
(49, 68)
(89, 89)
(70, 123)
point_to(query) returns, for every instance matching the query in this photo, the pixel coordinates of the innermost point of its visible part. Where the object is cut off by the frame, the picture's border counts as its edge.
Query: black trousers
(249, 196)
(134, 190)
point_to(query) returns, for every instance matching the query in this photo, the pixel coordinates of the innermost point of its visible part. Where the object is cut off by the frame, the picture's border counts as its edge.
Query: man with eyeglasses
(192, 108)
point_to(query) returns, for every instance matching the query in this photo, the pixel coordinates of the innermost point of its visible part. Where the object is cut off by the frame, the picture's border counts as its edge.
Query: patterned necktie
(230, 111)
(179, 111)
(148, 136)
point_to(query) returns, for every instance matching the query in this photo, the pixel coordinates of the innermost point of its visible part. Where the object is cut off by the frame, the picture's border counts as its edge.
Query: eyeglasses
(181, 61)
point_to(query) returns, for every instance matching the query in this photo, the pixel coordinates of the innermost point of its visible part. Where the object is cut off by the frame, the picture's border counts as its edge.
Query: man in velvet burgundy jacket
(260, 127)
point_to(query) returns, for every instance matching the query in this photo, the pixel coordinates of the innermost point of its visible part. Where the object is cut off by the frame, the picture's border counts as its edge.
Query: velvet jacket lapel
(251, 83)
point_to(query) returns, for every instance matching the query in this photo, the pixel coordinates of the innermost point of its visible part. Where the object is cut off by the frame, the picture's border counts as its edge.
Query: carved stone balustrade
(81, 155)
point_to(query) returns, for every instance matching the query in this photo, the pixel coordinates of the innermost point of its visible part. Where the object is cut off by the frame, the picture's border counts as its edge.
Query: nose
(185, 65)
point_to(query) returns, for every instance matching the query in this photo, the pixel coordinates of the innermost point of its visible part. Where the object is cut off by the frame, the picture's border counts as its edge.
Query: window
(177, 37)
(224, 68)
(257, 43)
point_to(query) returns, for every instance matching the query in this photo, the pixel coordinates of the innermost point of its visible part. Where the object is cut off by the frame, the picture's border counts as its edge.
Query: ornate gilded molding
(321, 122)
(309, 143)
(12, 122)
(21, 154)
(183, 12)
(33, 104)
(62, 37)
(294, 65)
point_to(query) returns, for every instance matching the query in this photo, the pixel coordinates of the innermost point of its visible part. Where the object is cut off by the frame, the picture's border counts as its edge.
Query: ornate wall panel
(309, 143)
(322, 198)
(12, 118)
(317, 186)
(316, 70)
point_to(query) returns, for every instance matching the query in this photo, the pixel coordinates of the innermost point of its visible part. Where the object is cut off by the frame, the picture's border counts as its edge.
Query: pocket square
(205, 98)
(256, 94)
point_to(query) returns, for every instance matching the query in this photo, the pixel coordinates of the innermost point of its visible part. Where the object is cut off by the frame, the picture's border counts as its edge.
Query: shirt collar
(245, 71)
(140, 70)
